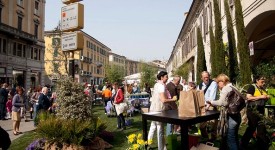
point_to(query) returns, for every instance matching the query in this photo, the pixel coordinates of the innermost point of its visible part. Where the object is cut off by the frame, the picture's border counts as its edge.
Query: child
(9, 106)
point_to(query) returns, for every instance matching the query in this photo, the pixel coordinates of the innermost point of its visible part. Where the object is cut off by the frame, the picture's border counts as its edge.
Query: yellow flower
(140, 142)
(135, 146)
(130, 140)
(132, 136)
(150, 142)
(139, 136)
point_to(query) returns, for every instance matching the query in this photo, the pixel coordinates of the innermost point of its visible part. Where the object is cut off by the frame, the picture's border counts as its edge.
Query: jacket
(16, 103)
(43, 102)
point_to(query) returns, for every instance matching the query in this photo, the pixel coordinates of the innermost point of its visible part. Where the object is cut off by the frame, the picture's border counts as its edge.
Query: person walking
(43, 101)
(209, 88)
(256, 99)
(233, 120)
(3, 100)
(159, 97)
(18, 101)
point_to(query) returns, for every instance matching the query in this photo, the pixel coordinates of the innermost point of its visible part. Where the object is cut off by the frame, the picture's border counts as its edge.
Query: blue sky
(137, 29)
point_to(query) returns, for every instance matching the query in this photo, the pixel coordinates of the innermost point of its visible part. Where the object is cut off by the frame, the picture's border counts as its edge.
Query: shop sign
(72, 17)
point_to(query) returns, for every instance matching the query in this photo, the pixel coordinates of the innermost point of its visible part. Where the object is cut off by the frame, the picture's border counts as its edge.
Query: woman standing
(18, 101)
(233, 120)
(256, 98)
(118, 100)
(159, 97)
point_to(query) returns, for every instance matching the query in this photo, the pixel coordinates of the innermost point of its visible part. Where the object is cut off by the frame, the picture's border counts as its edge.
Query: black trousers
(120, 121)
(2, 110)
(253, 124)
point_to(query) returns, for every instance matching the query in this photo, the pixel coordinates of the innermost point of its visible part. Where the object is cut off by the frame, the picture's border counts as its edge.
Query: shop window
(19, 23)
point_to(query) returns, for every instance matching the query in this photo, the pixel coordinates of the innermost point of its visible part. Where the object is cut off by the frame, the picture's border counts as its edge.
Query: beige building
(90, 62)
(118, 60)
(22, 42)
(258, 25)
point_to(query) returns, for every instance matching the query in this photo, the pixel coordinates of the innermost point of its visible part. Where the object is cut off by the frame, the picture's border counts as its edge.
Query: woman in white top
(159, 97)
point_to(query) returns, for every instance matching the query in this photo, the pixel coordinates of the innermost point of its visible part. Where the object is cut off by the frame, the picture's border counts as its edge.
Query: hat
(89, 85)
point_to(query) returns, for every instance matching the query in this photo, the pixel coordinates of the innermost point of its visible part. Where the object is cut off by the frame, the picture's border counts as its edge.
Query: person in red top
(9, 106)
(119, 98)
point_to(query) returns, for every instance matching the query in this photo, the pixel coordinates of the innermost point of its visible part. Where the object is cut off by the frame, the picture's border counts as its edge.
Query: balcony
(99, 64)
(16, 33)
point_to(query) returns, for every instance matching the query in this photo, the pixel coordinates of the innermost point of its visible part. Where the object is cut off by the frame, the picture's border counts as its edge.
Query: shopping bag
(172, 142)
(191, 103)
(207, 146)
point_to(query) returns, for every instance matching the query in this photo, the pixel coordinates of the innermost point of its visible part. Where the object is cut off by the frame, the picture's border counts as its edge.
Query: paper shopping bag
(191, 103)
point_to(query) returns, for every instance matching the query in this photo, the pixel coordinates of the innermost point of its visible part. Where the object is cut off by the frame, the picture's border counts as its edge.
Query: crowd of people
(216, 91)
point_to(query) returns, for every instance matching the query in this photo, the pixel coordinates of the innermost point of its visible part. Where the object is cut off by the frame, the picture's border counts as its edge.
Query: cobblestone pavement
(25, 126)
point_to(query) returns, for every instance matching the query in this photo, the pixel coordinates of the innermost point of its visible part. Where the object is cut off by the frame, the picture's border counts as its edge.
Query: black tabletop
(171, 116)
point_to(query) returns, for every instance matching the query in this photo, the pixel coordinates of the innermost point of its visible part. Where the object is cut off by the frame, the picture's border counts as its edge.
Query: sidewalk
(24, 127)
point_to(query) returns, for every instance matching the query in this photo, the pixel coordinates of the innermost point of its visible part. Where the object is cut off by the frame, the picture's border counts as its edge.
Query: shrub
(69, 131)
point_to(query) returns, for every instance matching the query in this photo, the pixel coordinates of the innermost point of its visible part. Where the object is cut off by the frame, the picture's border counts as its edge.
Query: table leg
(184, 137)
(144, 127)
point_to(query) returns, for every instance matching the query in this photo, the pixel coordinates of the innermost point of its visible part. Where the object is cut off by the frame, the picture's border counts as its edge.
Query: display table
(171, 116)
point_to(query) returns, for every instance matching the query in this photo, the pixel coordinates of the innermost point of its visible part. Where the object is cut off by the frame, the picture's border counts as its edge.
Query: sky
(138, 29)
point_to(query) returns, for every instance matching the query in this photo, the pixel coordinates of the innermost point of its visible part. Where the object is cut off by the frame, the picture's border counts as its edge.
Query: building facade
(22, 42)
(89, 62)
(259, 30)
(118, 60)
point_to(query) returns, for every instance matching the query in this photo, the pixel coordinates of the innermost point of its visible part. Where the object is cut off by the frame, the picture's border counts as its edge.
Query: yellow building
(22, 42)
(90, 62)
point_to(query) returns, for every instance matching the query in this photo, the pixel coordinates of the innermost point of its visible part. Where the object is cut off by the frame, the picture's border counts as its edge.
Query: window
(32, 53)
(19, 25)
(35, 54)
(20, 2)
(39, 50)
(4, 46)
(19, 50)
(36, 30)
(36, 7)
(0, 14)
(14, 49)
(24, 51)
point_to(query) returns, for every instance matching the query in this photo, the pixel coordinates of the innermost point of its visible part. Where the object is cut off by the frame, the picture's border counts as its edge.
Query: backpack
(236, 101)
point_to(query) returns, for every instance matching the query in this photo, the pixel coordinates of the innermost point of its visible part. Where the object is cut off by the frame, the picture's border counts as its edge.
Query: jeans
(121, 121)
(232, 134)
(34, 113)
(160, 132)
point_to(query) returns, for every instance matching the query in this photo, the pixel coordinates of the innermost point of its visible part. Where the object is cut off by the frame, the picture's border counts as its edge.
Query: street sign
(72, 41)
(70, 1)
(251, 48)
(72, 17)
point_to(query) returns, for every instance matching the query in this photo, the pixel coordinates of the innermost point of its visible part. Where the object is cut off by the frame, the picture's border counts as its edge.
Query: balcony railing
(20, 34)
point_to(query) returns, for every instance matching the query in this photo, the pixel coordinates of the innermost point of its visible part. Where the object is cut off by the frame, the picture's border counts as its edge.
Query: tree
(267, 69)
(232, 52)
(219, 47)
(213, 53)
(114, 73)
(245, 69)
(148, 74)
(201, 63)
(72, 102)
(183, 70)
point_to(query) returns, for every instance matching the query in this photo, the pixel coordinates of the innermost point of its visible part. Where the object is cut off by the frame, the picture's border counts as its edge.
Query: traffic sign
(72, 41)
(72, 17)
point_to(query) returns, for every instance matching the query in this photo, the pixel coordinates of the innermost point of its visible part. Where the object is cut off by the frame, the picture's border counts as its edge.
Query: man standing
(174, 90)
(210, 92)
(3, 101)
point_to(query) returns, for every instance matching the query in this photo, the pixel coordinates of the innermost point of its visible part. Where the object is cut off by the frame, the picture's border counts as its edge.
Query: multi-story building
(22, 42)
(118, 60)
(259, 30)
(90, 62)
(132, 67)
